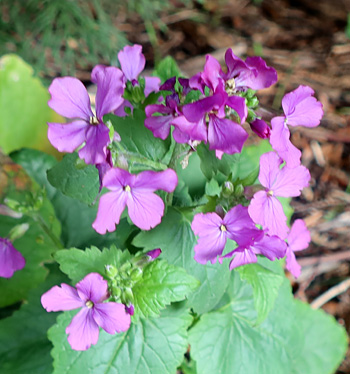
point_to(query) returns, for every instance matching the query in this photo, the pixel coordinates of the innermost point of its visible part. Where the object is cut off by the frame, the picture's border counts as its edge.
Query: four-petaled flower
(213, 232)
(70, 99)
(265, 209)
(89, 295)
(11, 260)
(145, 208)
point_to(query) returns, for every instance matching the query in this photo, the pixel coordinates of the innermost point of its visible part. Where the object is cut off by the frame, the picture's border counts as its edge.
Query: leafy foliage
(155, 345)
(228, 340)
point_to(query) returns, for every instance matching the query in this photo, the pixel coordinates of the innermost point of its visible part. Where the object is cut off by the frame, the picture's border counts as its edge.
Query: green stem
(37, 218)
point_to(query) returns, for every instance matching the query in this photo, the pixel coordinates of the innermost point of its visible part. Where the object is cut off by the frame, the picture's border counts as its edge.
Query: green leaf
(211, 166)
(24, 347)
(176, 239)
(228, 340)
(167, 68)
(212, 188)
(152, 346)
(75, 217)
(77, 263)
(160, 285)
(81, 183)
(36, 247)
(23, 107)
(265, 283)
(137, 139)
(250, 157)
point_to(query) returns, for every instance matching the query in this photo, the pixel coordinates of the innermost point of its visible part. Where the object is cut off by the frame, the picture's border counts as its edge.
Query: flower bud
(260, 128)
(130, 309)
(111, 271)
(154, 254)
(227, 189)
(239, 190)
(18, 231)
(136, 274)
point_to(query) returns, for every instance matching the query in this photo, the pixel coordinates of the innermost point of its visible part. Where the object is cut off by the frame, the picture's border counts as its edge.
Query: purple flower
(70, 99)
(300, 109)
(11, 260)
(213, 232)
(145, 208)
(253, 73)
(298, 239)
(223, 134)
(154, 254)
(89, 295)
(265, 209)
(271, 247)
(133, 62)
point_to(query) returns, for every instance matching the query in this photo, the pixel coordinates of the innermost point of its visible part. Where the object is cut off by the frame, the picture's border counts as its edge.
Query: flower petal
(242, 256)
(301, 108)
(225, 135)
(110, 83)
(281, 143)
(240, 226)
(299, 236)
(61, 298)
(110, 208)
(83, 331)
(132, 61)
(212, 74)
(269, 168)
(289, 182)
(93, 287)
(11, 260)
(69, 98)
(145, 208)
(194, 130)
(271, 247)
(152, 84)
(194, 112)
(159, 125)
(112, 317)
(156, 180)
(266, 75)
(212, 239)
(97, 139)
(115, 179)
(292, 264)
(267, 211)
(238, 104)
(67, 137)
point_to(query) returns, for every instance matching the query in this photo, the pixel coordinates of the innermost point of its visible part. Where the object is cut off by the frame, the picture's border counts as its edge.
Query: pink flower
(89, 295)
(70, 99)
(300, 109)
(265, 209)
(11, 260)
(213, 232)
(136, 192)
(298, 239)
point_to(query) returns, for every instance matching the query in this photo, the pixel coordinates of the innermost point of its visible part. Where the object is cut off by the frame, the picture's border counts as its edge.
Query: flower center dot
(127, 188)
(270, 193)
(223, 228)
(93, 121)
(230, 86)
(89, 304)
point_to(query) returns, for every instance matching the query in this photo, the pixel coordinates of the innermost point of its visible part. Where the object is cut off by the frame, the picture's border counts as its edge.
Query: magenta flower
(89, 295)
(300, 109)
(213, 232)
(133, 62)
(298, 239)
(265, 209)
(223, 134)
(241, 75)
(271, 247)
(11, 260)
(136, 192)
(70, 99)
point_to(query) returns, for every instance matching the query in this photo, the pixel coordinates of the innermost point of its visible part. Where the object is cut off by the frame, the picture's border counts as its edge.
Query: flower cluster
(213, 107)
